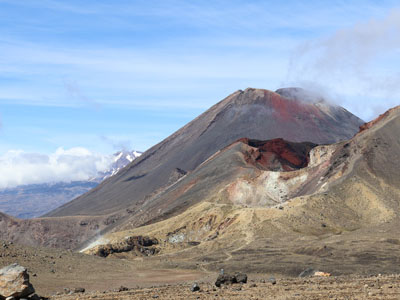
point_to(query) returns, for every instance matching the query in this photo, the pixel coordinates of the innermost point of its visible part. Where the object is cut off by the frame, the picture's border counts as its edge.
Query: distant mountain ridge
(34, 200)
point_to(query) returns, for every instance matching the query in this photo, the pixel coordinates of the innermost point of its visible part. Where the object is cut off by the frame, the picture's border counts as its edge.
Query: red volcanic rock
(278, 154)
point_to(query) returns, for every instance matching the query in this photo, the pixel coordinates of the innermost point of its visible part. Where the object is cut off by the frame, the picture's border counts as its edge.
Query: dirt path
(248, 239)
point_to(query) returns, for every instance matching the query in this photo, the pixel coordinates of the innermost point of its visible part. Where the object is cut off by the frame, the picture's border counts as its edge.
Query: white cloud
(18, 167)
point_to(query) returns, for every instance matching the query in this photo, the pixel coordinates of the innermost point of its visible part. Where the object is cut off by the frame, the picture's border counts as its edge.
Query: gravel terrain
(346, 287)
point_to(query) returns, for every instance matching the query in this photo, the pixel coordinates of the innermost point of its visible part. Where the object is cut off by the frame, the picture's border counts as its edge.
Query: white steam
(358, 61)
(18, 167)
(100, 240)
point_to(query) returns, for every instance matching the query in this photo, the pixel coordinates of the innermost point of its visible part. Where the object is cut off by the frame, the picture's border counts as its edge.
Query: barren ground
(377, 287)
(53, 270)
(149, 278)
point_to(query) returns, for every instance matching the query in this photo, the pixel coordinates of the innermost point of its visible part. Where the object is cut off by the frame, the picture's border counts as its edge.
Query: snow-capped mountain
(34, 200)
(120, 160)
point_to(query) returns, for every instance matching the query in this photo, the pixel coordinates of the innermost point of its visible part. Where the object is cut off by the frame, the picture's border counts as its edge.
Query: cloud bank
(18, 167)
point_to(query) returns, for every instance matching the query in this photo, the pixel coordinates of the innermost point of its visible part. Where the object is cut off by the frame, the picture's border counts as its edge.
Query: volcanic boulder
(14, 282)
(230, 279)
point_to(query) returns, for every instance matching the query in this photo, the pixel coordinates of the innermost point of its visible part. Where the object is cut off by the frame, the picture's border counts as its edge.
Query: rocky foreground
(66, 275)
(343, 287)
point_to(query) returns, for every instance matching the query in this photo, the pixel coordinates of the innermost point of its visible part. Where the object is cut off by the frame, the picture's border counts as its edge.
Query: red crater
(278, 154)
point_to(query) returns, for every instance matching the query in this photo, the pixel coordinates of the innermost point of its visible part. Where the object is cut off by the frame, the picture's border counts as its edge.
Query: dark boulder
(230, 279)
(79, 290)
(225, 279)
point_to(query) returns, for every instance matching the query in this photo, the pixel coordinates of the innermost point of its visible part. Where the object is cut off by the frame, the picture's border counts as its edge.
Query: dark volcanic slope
(253, 113)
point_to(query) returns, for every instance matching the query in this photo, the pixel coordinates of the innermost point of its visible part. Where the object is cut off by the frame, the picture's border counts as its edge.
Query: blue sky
(109, 74)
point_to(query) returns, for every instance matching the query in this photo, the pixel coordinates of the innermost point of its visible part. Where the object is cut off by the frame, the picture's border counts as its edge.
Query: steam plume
(357, 61)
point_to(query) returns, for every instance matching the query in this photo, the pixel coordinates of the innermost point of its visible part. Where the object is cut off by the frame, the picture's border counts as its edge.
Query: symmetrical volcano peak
(252, 113)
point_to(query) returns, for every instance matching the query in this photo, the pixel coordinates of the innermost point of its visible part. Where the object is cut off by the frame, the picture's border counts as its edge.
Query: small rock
(307, 272)
(321, 274)
(155, 296)
(253, 285)
(272, 280)
(79, 290)
(195, 287)
(241, 278)
(122, 288)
